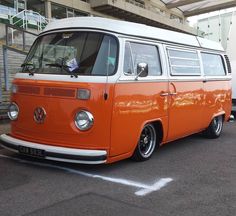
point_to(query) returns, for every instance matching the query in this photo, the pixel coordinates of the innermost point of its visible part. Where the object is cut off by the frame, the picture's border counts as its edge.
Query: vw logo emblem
(39, 115)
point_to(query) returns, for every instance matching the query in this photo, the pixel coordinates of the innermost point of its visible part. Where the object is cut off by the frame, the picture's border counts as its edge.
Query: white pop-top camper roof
(132, 29)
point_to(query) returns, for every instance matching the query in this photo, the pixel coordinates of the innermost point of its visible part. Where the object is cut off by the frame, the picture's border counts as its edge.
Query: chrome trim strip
(218, 79)
(173, 79)
(76, 161)
(54, 150)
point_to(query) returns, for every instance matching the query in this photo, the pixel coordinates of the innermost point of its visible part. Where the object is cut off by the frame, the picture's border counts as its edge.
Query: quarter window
(213, 64)
(184, 62)
(136, 53)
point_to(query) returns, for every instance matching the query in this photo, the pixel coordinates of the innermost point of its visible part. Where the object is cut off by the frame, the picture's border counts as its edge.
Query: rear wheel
(146, 144)
(215, 128)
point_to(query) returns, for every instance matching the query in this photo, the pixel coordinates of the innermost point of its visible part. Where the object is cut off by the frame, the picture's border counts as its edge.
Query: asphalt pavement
(193, 176)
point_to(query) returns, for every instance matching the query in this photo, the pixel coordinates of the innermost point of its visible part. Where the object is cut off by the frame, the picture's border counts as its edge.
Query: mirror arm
(137, 76)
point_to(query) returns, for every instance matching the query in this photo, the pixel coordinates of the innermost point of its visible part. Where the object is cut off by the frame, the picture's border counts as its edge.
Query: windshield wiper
(64, 67)
(26, 64)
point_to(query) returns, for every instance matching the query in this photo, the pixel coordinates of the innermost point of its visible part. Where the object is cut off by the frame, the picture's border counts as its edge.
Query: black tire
(146, 144)
(215, 128)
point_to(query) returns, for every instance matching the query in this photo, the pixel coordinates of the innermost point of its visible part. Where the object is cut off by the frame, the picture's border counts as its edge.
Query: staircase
(17, 33)
(14, 45)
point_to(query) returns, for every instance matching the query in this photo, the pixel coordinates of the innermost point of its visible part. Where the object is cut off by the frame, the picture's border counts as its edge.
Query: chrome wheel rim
(217, 124)
(147, 141)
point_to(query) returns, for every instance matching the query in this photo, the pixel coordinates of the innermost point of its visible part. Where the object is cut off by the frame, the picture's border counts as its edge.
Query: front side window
(136, 53)
(81, 53)
(184, 62)
(213, 64)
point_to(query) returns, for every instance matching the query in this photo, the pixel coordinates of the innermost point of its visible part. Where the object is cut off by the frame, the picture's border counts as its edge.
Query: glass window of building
(8, 3)
(58, 11)
(36, 6)
(70, 12)
(21, 5)
(79, 13)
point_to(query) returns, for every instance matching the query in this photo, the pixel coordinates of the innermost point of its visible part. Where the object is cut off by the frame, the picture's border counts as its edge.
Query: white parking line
(155, 187)
(143, 189)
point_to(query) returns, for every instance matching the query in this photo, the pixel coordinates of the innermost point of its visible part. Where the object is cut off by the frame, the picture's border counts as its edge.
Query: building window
(36, 6)
(79, 13)
(58, 12)
(8, 3)
(184, 62)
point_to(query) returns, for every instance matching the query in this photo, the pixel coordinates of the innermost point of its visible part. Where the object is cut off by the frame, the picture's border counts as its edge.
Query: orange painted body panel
(186, 109)
(136, 104)
(119, 120)
(217, 100)
(195, 105)
(59, 128)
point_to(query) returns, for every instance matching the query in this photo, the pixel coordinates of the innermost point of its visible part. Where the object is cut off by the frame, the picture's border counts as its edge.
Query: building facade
(217, 27)
(150, 12)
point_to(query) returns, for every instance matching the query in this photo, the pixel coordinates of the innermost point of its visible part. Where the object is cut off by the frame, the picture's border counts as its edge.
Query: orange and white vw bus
(95, 90)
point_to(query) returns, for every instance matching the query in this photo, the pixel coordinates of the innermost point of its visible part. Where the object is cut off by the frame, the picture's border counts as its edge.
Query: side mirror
(142, 70)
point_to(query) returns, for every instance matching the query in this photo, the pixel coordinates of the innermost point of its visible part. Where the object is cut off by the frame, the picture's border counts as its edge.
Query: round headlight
(13, 111)
(84, 120)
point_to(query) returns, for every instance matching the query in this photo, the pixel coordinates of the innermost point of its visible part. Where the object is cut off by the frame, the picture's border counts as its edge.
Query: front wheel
(146, 144)
(215, 128)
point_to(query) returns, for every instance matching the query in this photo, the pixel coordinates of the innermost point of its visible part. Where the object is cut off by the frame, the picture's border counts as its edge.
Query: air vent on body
(29, 89)
(60, 92)
(228, 64)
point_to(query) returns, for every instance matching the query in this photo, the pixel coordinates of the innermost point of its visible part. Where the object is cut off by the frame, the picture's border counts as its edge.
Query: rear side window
(213, 64)
(184, 62)
(136, 53)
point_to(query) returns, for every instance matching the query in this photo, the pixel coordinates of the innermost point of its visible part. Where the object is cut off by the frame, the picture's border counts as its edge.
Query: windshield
(81, 53)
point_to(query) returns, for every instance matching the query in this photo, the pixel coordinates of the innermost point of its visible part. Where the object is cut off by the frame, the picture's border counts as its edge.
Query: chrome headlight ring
(84, 120)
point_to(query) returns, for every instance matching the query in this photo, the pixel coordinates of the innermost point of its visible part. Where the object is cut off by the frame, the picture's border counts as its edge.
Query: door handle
(174, 89)
(164, 94)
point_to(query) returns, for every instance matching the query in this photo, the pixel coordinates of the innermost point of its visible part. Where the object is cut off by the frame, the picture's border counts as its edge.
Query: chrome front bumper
(56, 153)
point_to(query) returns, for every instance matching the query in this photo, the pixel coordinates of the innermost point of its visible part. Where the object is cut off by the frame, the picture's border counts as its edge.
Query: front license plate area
(31, 151)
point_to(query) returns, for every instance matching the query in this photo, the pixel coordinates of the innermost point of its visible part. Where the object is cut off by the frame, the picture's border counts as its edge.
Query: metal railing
(22, 48)
(6, 12)
(26, 18)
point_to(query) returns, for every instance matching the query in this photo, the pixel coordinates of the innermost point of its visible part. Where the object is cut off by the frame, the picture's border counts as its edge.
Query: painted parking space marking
(143, 189)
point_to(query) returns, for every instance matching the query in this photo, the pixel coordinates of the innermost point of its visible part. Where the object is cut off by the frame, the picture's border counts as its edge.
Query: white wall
(219, 28)
(231, 52)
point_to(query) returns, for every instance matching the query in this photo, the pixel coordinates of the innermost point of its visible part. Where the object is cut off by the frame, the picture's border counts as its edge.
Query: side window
(184, 62)
(213, 64)
(136, 53)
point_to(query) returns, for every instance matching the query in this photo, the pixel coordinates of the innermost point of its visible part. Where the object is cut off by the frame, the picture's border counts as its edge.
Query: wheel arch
(218, 114)
(158, 125)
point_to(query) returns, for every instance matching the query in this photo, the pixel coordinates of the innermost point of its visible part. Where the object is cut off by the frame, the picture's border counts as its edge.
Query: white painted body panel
(132, 29)
(231, 52)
